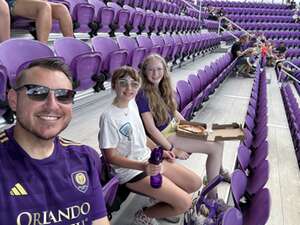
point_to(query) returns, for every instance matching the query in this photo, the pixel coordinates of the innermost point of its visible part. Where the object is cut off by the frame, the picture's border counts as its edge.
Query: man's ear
(12, 99)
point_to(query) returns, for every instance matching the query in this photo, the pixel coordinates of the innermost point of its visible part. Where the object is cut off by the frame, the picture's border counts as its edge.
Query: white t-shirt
(122, 129)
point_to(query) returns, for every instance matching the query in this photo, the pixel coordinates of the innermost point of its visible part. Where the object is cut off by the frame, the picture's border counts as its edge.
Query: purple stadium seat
(232, 216)
(259, 209)
(238, 186)
(135, 20)
(258, 177)
(82, 14)
(185, 93)
(135, 54)
(165, 48)
(113, 57)
(168, 40)
(146, 42)
(84, 64)
(104, 16)
(15, 52)
(197, 95)
(121, 19)
(243, 157)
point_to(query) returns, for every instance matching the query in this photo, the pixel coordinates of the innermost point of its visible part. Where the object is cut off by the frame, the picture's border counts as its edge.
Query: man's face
(46, 118)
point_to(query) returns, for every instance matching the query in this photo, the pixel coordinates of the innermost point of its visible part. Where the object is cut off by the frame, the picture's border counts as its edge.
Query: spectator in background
(43, 12)
(212, 13)
(244, 66)
(293, 4)
(280, 51)
(4, 21)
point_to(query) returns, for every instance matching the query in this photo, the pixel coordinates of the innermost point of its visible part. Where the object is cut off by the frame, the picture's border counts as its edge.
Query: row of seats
(292, 53)
(193, 92)
(270, 26)
(282, 34)
(252, 173)
(92, 66)
(293, 115)
(257, 11)
(243, 4)
(260, 19)
(94, 16)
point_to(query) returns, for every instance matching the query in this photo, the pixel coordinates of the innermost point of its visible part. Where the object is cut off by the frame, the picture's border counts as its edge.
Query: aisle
(284, 180)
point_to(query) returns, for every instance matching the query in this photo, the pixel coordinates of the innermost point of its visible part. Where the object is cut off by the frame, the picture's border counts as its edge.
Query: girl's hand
(152, 169)
(169, 155)
(180, 154)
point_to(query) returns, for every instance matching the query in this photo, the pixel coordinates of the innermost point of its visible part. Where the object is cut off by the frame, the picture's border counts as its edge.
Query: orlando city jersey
(61, 189)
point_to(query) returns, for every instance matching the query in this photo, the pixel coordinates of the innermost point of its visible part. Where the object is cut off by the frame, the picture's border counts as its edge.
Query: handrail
(195, 8)
(289, 75)
(233, 23)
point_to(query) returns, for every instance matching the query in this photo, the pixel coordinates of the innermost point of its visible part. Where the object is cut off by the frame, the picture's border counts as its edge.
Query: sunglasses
(40, 93)
(125, 83)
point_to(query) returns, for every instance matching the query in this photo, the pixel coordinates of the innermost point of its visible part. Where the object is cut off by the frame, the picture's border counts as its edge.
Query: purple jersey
(143, 105)
(61, 189)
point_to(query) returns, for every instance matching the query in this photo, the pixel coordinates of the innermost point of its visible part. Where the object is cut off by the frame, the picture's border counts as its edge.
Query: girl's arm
(155, 133)
(178, 116)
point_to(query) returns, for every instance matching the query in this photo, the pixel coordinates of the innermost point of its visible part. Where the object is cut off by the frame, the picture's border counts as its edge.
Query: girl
(157, 107)
(122, 140)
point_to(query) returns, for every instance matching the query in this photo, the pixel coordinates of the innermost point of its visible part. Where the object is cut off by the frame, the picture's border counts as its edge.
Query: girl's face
(126, 88)
(155, 71)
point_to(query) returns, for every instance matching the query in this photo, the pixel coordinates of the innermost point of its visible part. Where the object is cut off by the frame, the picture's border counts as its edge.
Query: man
(280, 51)
(45, 179)
(243, 56)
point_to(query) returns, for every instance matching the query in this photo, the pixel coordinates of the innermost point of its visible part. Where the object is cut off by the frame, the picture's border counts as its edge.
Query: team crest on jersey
(80, 180)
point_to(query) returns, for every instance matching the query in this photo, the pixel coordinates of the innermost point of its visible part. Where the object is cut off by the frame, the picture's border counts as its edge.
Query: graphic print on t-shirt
(126, 130)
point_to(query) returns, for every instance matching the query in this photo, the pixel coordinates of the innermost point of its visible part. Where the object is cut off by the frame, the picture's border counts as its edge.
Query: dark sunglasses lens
(37, 93)
(64, 95)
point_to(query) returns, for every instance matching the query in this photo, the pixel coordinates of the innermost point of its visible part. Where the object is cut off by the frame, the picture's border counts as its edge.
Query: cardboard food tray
(223, 132)
(220, 132)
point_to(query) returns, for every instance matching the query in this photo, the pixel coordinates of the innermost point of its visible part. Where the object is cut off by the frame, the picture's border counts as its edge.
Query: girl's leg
(181, 176)
(61, 13)
(173, 199)
(214, 151)
(40, 11)
(4, 21)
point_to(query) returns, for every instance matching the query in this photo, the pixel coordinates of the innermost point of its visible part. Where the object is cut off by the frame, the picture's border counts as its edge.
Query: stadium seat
(113, 57)
(85, 65)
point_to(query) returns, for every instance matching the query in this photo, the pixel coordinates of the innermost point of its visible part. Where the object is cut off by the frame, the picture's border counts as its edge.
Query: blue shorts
(11, 5)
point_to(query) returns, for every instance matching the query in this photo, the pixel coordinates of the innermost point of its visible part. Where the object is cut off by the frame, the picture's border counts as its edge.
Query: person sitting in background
(212, 13)
(243, 64)
(158, 109)
(45, 177)
(280, 51)
(270, 54)
(43, 12)
(4, 21)
(123, 141)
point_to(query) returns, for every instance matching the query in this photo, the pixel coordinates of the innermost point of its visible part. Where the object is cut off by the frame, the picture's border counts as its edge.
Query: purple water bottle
(156, 158)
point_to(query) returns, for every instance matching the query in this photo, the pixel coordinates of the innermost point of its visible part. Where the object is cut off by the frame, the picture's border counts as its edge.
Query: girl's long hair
(161, 101)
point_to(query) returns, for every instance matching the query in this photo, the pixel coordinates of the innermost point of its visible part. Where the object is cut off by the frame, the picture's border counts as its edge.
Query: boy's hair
(123, 72)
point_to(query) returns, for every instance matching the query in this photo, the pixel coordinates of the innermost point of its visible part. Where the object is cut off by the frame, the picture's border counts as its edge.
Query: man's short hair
(46, 63)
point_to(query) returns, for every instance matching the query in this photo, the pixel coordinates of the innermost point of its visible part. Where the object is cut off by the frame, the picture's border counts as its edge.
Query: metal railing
(290, 64)
(233, 24)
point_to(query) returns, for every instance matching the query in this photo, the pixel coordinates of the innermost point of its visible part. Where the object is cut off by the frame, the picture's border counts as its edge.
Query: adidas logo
(18, 190)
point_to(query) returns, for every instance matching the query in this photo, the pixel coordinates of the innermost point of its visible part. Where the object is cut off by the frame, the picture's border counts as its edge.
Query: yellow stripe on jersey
(4, 139)
(21, 189)
(15, 191)
(66, 142)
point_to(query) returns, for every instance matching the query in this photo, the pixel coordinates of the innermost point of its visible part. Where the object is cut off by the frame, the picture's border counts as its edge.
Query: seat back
(232, 216)
(15, 52)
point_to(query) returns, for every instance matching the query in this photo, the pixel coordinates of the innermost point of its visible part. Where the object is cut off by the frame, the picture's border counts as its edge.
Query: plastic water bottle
(156, 158)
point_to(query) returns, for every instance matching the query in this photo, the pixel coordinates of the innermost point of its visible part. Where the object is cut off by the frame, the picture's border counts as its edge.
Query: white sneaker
(142, 219)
